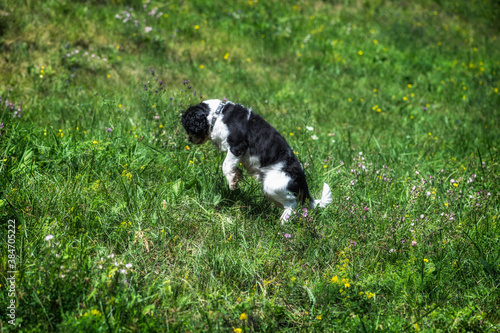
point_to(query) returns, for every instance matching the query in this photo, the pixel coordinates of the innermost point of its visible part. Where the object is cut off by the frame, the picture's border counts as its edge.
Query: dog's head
(196, 124)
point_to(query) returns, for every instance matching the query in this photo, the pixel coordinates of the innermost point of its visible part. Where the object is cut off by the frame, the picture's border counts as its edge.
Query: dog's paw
(238, 176)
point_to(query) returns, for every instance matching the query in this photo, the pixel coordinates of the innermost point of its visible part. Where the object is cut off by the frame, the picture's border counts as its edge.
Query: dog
(250, 140)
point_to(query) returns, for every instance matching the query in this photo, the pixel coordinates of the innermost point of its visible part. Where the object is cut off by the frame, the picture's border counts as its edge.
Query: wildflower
(128, 265)
(243, 316)
(95, 312)
(196, 27)
(335, 279)
(309, 128)
(366, 209)
(288, 236)
(238, 330)
(148, 29)
(110, 130)
(413, 243)
(426, 260)
(318, 317)
(422, 216)
(49, 237)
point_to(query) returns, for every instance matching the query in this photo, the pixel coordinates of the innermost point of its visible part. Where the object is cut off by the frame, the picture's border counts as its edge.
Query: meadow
(112, 221)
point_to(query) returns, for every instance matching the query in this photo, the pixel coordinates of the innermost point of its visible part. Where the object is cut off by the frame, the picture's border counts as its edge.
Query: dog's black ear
(195, 120)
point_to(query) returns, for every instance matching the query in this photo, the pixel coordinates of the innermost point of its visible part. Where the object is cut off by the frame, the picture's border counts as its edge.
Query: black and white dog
(253, 142)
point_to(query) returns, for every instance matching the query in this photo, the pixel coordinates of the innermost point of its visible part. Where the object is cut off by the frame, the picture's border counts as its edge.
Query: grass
(120, 225)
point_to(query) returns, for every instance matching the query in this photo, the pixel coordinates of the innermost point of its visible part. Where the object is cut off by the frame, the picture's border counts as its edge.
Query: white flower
(314, 137)
(49, 237)
(148, 29)
(128, 265)
(309, 128)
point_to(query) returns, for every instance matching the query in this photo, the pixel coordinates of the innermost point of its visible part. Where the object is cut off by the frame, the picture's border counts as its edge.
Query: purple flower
(366, 209)
(413, 243)
(49, 237)
(1, 125)
(288, 236)
(110, 130)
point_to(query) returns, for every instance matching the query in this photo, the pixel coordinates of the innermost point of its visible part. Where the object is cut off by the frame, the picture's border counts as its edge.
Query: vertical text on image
(11, 271)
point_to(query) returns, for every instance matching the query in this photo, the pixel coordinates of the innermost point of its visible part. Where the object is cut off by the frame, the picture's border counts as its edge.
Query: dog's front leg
(231, 171)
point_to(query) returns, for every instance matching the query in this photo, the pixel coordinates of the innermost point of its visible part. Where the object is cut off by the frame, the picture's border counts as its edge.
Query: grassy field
(112, 222)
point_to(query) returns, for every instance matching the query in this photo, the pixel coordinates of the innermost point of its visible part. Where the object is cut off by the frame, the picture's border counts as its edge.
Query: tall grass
(121, 225)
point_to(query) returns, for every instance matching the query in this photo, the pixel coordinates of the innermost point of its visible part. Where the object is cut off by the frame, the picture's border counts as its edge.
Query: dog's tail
(326, 198)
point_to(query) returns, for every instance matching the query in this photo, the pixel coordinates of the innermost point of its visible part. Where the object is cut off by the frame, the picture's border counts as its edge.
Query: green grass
(403, 99)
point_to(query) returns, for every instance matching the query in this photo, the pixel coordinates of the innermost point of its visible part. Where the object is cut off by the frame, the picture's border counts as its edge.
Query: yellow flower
(243, 316)
(360, 53)
(95, 312)
(187, 147)
(197, 27)
(226, 56)
(426, 260)
(202, 66)
(335, 279)
(238, 330)
(95, 142)
(318, 317)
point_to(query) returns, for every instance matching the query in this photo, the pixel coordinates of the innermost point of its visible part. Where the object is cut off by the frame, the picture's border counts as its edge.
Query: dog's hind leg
(275, 187)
